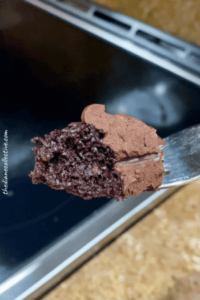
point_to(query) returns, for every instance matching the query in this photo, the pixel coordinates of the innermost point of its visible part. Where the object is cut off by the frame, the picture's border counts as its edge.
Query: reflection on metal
(182, 157)
(131, 35)
(157, 106)
(23, 274)
(74, 248)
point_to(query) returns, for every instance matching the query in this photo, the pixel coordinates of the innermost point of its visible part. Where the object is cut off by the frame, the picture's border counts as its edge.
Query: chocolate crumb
(76, 160)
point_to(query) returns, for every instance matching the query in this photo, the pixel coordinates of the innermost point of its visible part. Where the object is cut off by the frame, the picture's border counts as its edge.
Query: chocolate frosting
(130, 139)
(104, 155)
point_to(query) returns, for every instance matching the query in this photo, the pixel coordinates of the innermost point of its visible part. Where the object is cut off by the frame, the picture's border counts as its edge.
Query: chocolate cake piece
(137, 147)
(104, 155)
(76, 160)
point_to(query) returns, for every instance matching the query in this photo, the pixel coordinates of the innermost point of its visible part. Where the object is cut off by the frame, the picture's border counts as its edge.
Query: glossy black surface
(34, 216)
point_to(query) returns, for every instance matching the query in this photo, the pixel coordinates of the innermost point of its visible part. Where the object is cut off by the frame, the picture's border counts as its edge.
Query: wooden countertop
(158, 258)
(180, 18)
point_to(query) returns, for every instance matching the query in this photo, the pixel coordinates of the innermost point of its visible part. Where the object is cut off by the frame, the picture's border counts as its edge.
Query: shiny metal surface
(88, 71)
(182, 157)
(131, 35)
(49, 267)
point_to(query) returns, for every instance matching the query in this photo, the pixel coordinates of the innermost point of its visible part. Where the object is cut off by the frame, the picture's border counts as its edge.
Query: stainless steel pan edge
(73, 249)
(170, 53)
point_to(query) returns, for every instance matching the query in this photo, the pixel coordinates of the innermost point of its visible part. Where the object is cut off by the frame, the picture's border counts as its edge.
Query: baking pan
(56, 58)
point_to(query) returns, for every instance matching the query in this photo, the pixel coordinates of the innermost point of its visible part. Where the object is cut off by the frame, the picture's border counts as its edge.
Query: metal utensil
(182, 157)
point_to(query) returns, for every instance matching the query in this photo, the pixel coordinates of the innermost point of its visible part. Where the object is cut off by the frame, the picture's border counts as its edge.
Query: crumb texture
(75, 159)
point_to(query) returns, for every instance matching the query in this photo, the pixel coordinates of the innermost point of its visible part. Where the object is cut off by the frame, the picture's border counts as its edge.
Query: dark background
(49, 71)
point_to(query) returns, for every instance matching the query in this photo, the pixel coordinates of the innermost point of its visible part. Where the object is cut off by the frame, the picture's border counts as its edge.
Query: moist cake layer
(104, 155)
(76, 160)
